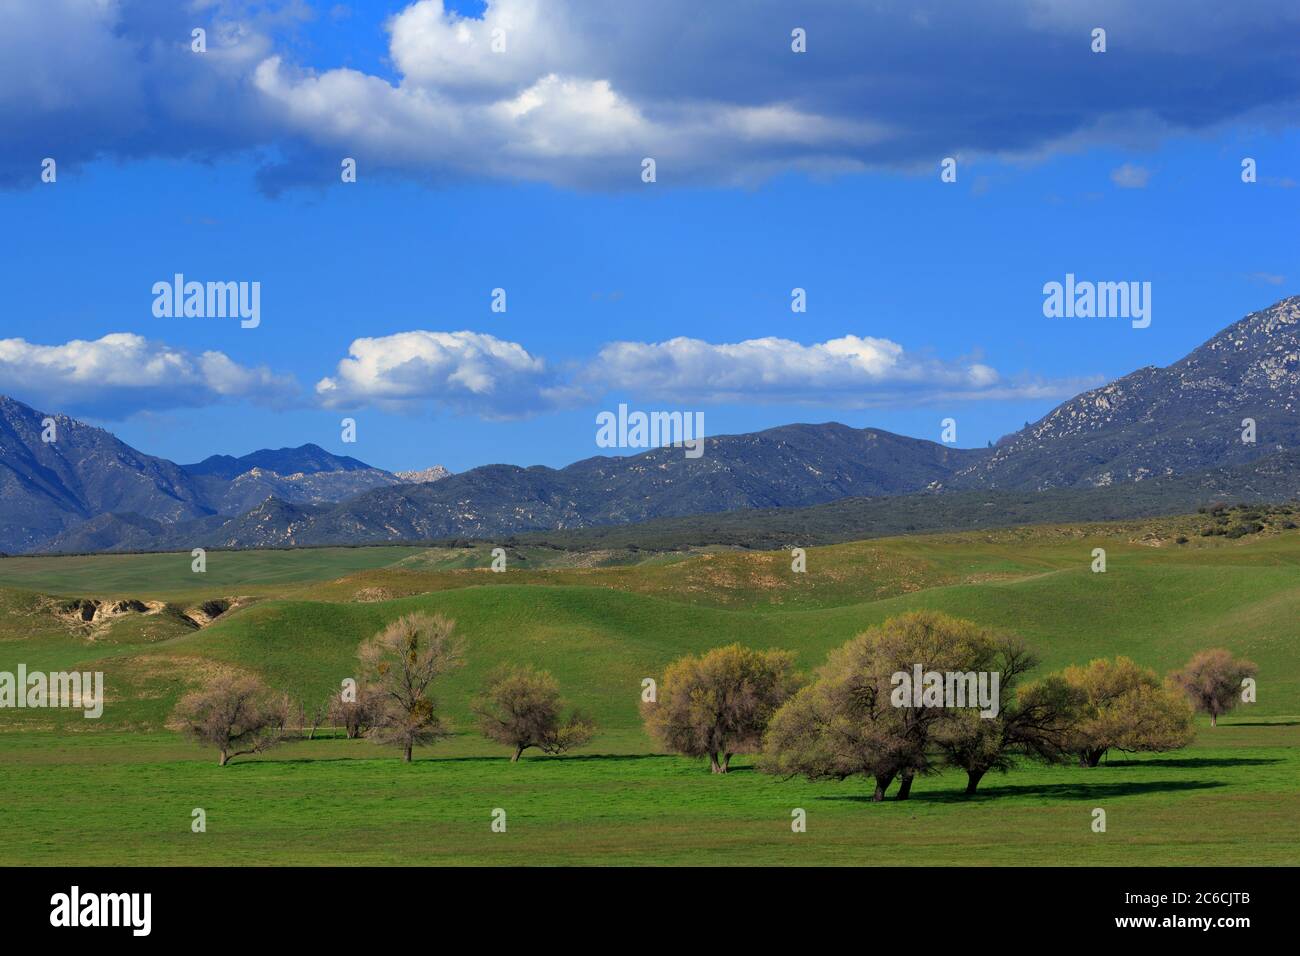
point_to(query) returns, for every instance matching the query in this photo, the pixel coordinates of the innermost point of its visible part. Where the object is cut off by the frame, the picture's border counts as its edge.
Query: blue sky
(924, 298)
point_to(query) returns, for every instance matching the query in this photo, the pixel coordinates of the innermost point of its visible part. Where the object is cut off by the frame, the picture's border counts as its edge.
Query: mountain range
(85, 481)
(88, 491)
(1165, 421)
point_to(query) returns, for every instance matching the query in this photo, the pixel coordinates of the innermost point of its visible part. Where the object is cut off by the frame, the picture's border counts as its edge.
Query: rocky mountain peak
(424, 475)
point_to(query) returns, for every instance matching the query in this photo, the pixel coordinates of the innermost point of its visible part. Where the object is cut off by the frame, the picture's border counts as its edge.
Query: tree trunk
(726, 762)
(882, 784)
(973, 778)
(904, 786)
(714, 766)
(1090, 758)
(1214, 720)
(518, 752)
(406, 757)
(223, 759)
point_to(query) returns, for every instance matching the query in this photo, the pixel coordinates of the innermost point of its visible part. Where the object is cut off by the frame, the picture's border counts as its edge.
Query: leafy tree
(521, 708)
(357, 717)
(1120, 705)
(402, 661)
(237, 715)
(1035, 722)
(846, 723)
(1212, 681)
(719, 705)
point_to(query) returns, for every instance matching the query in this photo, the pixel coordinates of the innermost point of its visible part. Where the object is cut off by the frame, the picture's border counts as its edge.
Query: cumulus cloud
(479, 374)
(850, 371)
(473, 373)
(583, 91)
(81, 79)
(124, 373)
(469, 372)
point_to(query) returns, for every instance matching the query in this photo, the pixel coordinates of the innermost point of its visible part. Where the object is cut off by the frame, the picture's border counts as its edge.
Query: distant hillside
(109, 496)
(1165, 421)
(276, 524)
(791, 466)
(47, 487)
(305, 459)
(1272, 479)
(424, 475)
(248, 490)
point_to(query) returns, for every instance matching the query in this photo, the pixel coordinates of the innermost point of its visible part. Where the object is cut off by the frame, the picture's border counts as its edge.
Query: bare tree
(237, 715)
(357, 716)
(308, 719)
(718, 705)
(521, 708)
(402, 661)
(1212, 681)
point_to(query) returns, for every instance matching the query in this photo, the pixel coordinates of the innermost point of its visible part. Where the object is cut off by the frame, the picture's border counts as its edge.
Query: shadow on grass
(1065, 791)
(1258, 723)
(1197, 762)
(395, 757)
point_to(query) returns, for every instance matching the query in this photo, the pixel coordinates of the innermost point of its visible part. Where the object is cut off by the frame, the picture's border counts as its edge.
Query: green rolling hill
(120, 790)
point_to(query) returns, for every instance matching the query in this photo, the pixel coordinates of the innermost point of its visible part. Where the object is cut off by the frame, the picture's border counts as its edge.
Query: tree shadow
(1197, 762)
(1259, 723)
(1063, 791)
(395, 757)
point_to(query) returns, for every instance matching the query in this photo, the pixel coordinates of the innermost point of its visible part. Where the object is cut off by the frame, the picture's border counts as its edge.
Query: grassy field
(170, 575)
(115, 799)
(120, 789)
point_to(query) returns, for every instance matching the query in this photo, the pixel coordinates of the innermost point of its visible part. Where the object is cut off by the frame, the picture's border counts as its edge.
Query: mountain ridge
(1181, 418)
(1154, 423)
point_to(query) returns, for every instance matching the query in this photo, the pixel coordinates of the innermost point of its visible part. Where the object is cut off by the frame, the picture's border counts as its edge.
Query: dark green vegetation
(1234, 797)
(1265, 481)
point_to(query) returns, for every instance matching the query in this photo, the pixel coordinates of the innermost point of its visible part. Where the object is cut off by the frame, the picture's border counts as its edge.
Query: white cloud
(1131, 176)
(468, 371)
(850, 371)
(567, 129)
(475, 373)
(434, 47)
(124, 373)
(584, 90)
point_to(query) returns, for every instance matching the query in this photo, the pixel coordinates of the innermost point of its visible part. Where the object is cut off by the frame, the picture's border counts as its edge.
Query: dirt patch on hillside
(92, 617)
(208, 611)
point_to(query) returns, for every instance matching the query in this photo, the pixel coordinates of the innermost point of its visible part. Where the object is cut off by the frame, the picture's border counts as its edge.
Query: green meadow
(120, 790)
